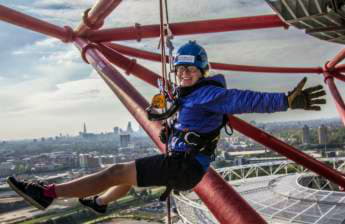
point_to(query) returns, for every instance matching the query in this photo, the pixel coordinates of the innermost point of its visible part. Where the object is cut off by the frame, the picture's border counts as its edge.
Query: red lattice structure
(97, 49)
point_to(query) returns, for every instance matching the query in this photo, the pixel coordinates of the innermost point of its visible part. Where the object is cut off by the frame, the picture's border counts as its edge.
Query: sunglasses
(186, 68)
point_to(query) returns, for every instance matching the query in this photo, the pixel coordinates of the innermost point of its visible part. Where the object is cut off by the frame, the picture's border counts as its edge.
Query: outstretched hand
(307, 99)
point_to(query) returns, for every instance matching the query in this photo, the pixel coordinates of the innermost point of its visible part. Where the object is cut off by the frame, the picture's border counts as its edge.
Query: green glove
(307, 99)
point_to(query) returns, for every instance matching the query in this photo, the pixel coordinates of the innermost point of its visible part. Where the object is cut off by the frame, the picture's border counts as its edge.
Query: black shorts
(177, 171)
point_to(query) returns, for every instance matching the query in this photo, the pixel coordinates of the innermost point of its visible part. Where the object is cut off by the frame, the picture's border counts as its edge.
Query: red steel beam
(134, 52)
(338, 58)
(219, 66)
(20, 19)
(287, 150)
(339, 103)
(265, 69)
(224, 202)
(339, 68)
(339, 76)
(95, 16)
(215, 192)
(130, 66)
(186, 28)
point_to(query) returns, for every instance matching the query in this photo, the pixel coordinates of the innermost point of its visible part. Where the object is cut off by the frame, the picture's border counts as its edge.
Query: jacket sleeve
(234, 101)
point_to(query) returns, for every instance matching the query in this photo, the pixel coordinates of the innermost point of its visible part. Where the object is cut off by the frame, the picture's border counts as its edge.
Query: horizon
(135, 128)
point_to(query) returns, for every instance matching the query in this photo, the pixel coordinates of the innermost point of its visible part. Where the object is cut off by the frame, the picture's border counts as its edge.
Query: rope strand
(166, 79)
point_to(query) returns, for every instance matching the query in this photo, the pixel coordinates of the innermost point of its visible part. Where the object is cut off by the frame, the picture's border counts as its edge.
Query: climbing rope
(165, 37)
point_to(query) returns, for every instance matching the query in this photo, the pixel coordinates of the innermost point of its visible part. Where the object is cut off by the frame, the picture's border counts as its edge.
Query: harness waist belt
(204, 143)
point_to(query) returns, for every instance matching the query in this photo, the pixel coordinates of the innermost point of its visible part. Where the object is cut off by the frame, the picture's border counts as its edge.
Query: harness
(204, 143)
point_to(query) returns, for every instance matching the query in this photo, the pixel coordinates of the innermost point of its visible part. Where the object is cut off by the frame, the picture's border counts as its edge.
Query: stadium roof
(278, 198)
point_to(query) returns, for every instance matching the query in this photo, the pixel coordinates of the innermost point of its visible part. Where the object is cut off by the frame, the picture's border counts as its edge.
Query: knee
(117, 173)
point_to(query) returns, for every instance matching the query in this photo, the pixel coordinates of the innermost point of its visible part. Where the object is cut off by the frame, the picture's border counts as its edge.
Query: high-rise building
(93, 162)
(125, 140)
(129, 128)
(306, 135)
(323, 134)
(83, 160)
(84, 130)
(88, 161)
(116, 130)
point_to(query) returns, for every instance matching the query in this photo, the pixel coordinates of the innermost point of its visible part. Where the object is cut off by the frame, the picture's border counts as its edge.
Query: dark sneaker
(91, 204)
(31, 192)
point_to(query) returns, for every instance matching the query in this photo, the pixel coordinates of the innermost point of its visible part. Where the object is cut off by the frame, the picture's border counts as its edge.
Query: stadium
(281, 192)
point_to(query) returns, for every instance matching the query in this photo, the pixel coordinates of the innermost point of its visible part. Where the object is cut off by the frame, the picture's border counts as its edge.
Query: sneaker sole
(26, 197)
(91, 209)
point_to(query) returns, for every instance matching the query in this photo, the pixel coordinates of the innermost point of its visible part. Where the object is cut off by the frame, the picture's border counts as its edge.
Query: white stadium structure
(281, 192)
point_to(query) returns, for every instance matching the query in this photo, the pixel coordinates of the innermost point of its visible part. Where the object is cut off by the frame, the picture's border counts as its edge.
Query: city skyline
(46, 87)
(135, 128)
(85, 130)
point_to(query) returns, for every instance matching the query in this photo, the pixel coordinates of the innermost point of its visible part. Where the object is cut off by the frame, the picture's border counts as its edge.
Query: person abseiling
(202, 103)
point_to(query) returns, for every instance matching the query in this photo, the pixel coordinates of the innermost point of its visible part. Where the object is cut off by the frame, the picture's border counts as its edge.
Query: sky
(47, 90)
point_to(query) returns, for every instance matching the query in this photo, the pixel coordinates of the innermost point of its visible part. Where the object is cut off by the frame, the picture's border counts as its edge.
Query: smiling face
(188, 75)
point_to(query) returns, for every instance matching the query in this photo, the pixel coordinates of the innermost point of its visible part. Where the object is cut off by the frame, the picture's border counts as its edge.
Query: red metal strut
(329, 74)
(218, 66)
(93, 18)
(130, 66)
(20, 19)
(186, 28)
(339, 103)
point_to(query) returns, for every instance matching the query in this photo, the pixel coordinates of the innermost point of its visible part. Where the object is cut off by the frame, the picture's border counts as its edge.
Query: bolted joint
(326, 68)
(83, 51)
(131, 66)
(87, 22)
(137, 27)
(327, 72)
(70, 35)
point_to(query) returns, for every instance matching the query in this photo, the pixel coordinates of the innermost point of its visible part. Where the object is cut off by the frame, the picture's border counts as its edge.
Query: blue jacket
(202, 110)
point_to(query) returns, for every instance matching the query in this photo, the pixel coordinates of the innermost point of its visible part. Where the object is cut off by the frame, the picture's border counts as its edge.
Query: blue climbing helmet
(192, 53)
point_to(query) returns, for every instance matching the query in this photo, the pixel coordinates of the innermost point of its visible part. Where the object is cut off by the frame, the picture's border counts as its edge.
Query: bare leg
(118, 174)
(113, 193)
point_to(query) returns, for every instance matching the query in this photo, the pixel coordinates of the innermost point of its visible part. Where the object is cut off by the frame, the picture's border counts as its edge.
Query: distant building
(83, 160)
(6, 168)
(116, 130)
(88, 161)
(107, 160)
(306, 135)
(129, 128)
(88, 135)
(93, 162)
(85, 134)
(323, 134)
(125, 140)
(84, 130)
